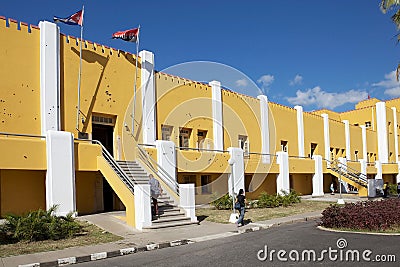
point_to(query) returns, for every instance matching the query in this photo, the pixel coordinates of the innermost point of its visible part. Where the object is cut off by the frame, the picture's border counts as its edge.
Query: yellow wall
(313, 133)
(20, 79)
(301, 183)
(22, 191)
(85, 183)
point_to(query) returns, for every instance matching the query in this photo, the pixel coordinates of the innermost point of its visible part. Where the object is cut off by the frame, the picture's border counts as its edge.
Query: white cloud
(265, 81)
(298, 79)
(242, 82)
(390, 84)
(316, 96)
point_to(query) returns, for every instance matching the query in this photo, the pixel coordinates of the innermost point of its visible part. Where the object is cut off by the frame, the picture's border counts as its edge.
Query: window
(284, 146)
(205, 184)
(368, 124)
(166, 132)
(201, 137)
(184, 137)
(103, 120)
(244, 144)
(189, 179)
(355, 124)
(356, 155)
(332, 153)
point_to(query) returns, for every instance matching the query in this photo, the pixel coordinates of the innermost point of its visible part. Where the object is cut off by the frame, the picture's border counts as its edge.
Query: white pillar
(327, 141)
(236, 177)
(364, 141)
(148, 97)
(49, 76)
(381, 130)
(363, 166)
(166, 158)
(398, 173)
(347, 137)
(318, 178)
(142, 206)
(265, 149)
(187, 200)
(300, 130)
(378, 166)
(218, 133)
(396, 138)
(282, 180)
(60, 176)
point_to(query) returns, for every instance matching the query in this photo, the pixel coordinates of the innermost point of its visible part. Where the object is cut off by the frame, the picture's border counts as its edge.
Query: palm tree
(387, 5)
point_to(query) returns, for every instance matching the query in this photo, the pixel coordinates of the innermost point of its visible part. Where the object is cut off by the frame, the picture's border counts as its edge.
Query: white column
(363, 166)
(378, 166)
(142, 206)
(166, 158)
(282, 180)
(218, 133)
(264, 128)
(381, 130)
(347, 137)
(327, 141)
(396, 139)
(398, 173)
(364, 141)
(60, 176)
(187, 200)
(236, 177)
(300, 130)
(148, 97)
(49, 76)
(318, 178)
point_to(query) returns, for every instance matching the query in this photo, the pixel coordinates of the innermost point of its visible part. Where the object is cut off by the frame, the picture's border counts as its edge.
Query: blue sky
(318, 54)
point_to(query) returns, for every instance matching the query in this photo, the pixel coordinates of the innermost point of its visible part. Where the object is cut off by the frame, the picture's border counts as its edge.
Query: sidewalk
(135, 240)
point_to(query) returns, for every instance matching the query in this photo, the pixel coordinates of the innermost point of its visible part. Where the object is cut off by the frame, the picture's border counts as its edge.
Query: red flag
(128, 35)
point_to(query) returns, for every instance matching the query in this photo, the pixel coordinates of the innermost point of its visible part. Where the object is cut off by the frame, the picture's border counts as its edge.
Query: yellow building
(181, 131)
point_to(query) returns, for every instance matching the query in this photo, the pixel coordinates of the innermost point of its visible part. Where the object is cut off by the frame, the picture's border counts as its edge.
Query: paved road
(297, 240)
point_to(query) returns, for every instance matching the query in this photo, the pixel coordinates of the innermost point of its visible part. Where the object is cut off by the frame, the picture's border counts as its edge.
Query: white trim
(378, 166)
(396, 138)
(218, 133)
(265, 146)
(364, 141)
(237, 170)
(300, 130)
(327, 141)
(381, 129)
(318, 177)
(60, 176)
(347, 138)
(49, 77)
(148, 97)
(282, 179)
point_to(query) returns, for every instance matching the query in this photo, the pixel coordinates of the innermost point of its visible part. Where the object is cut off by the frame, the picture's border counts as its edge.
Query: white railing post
(187, 200)
(142, 206)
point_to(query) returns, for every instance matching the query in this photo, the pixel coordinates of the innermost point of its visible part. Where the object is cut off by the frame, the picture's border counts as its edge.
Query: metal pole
(135, 82)
(79, 76)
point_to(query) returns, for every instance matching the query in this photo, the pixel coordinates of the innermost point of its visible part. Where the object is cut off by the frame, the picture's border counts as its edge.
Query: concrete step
(171, 224)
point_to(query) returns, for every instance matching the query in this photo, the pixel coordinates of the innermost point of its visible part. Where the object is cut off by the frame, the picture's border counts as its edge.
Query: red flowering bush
(366, 215)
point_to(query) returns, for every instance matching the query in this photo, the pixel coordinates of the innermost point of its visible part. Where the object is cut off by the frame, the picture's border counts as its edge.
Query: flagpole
(79, 75)
(135, 82)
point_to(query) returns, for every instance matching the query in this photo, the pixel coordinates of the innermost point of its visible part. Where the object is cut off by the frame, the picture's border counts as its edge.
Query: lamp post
(340, 200)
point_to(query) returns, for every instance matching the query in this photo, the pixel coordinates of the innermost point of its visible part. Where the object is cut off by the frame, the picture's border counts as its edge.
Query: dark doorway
(104, 134)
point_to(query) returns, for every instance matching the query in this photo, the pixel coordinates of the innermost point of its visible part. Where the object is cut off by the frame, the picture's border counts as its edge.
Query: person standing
(155, 192)
(242, 200)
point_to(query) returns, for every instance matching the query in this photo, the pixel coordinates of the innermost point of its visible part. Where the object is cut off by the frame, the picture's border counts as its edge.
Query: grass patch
(261, 214)
(91, 235)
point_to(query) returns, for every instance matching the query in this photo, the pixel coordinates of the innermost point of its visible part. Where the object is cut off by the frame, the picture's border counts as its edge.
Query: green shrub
(393, 189)
(223, 203)
(39, 225)
(284, 199)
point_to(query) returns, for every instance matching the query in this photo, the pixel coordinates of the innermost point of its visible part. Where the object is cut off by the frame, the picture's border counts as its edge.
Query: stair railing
(345, 169)
(113, 164)
(157, 169)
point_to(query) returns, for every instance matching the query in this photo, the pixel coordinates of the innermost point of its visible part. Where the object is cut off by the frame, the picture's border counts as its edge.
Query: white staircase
(170, 215)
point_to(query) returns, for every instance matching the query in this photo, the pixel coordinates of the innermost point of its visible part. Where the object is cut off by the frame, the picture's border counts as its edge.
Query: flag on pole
(128, 35)
(74, 19)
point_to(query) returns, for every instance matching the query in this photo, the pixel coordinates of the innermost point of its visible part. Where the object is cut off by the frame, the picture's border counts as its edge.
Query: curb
(156, 246)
